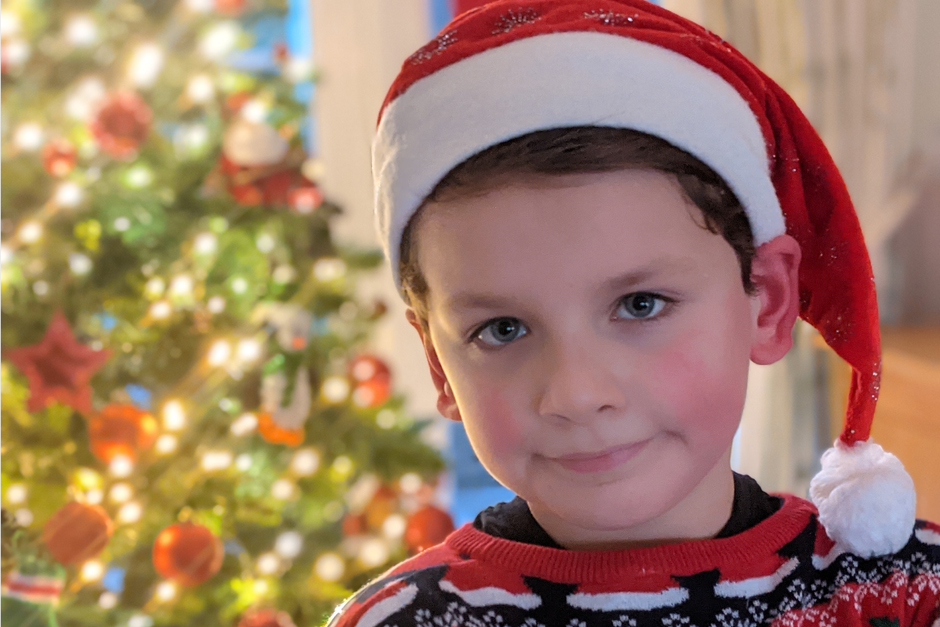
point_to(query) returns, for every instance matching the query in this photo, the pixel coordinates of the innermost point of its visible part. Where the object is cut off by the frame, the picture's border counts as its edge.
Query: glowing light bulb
(239, 285)
(199, 6)
(298, 69)
(260, 587)
(181, 286)
(165, 591)
(284, 274)
(166, 444)
(216, 304)
(305, 462)
(283, 489)
(205, 243)
(219, 353)
(243, 462)
(335, 389)
(265, 243)
(81, 31)
(374, 552)
(410, 483)
(9, 23)
(41, 288)
(244, 424)
(216, 460)
(6, 255)
(16, 494)
(289, 544)
(219, 40)
(94, 497)
(329, 567)
(145, 64)
(30, 232)
(122, 224)
(23, 517)
(28, 136)
(83, 100)
(394, 526)
(174, 416)
(248, 350)
(154, 287)
(130, 512)
(107, 600)
(200, 88)
(342, 465)
(120, 492)
(92, 570)
(138, 176)
(190, 140)
(121, 466)
(268, 564)
(68, 194)
(139, 620)
(161, 310)
(329, 269)
(80, 264)
(386, 419)
(255, 110)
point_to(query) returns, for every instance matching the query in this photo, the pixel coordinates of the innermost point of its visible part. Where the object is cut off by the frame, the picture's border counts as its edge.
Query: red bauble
(266, 617)
(230, 7)
(77, 532)
(372, 393)
(368, 368)
(122, 124)
(427, 527)
(58, 157)
(58, 368)
(305, 199)
(120, 429)
(187, 553)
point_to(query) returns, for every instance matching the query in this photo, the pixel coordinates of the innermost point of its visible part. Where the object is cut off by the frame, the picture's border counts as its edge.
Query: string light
(329, 269)
(120, 492)
(248, 350)
(200, 89)
(92, 570)
(30, 232)
(205, 243)
(94, 497)
(268, 564)
(219, 40)
(386, 419)
(394, 526)
(239, 285)
(139, 620)
(289, 544)
(216, 460)
(216, 304)
(130, 512)
(181, 286)
(85, 97)
(107, 600)
(138, 176)
(165, 591)
(154, 287)
(335, 389)
(161, 310)
(28, 136)
(410, 483)
(255, 111)
(284, 274)
(40, 288)
(24, 517)
(122, 224)
(145, 64)
(283, 489)
(244, 424)
(260, 587)
(68, 194)
(17, 51)
(374, 552)
(190, 140)
(121, 466)
(298, 69)
(174, 416)
(219, 353)
(79, 263)
(81, 31)
(329, 567)
(305, 462)
(16, 494)
(265, 242)
(243, 462)
(9, 23)
(166, 444)
(6, 255)
(199, 6)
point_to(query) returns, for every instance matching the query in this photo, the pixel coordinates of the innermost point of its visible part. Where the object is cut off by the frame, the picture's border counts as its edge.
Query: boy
(599, 214)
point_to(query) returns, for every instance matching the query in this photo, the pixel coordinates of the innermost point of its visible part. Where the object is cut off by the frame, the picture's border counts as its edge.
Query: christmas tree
(195, 431)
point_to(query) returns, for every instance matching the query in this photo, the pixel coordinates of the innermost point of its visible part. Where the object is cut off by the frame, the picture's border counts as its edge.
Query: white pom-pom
(865, 499)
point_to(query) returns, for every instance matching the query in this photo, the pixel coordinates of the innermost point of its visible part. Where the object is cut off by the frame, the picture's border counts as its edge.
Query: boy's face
(594, 340)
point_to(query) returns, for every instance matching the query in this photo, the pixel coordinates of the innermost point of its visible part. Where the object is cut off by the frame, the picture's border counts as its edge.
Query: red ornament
(58, 368)
(353, 524)
(120, 429)
(254, 186)
(372, 380)
(372, 393)
(58, 157)
(122, 124)
(187, 553)
(266, 617)
(77, 532)
(304, 199)
(427, 527)
(230, 7)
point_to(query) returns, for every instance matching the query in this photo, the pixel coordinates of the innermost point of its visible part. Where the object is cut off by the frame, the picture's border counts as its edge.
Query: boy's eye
(642, 305)
(500, 331)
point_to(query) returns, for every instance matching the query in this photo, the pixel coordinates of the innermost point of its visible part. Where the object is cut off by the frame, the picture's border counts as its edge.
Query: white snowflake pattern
(676, 620)
(514, 18)
(732, 618)
(574, 622)
(624, 621)
(434, 47)
(609, 18)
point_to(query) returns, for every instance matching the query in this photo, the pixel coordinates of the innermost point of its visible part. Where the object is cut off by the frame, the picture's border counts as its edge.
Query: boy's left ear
(775, 274)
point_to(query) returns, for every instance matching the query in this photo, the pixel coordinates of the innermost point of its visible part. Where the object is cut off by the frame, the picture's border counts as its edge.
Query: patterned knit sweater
(784, 571)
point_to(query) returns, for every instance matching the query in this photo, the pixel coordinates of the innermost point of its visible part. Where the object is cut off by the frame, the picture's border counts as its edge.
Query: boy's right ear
(446, 403)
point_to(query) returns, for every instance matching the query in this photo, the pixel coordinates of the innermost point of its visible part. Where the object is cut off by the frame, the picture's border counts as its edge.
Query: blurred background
(213, 409)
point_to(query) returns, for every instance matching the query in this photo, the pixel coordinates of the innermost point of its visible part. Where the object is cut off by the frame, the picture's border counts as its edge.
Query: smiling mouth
(601, 460)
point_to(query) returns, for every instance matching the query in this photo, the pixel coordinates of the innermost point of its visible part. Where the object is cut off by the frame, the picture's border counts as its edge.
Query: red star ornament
(59, 367)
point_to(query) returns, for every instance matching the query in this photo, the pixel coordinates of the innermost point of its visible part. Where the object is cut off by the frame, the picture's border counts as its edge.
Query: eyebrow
(469, 300)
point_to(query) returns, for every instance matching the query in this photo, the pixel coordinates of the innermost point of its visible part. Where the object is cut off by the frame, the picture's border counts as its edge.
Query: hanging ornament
(187, 553)
(266, 617)
(121, 124)
(77, 532)
(58, 157)
(305, 199)
(253, 144)
(427, 527)
(121, 429)
(39, 588)
(279, 424)
(371, 379)
(290, 321)
(58, 368)
(384, 503)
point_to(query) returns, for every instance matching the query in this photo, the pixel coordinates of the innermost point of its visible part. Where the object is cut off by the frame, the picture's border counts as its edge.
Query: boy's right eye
(499, 332)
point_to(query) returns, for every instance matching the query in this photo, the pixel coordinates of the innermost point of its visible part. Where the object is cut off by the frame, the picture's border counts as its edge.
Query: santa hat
(506, 69)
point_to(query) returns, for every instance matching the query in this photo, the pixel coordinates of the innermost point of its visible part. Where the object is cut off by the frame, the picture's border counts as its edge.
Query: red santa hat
(506, 69)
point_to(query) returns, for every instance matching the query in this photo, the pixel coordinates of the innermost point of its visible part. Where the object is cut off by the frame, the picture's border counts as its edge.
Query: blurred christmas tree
(194, 430)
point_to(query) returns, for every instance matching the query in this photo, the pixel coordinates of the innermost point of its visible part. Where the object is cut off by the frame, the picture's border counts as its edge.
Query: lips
(602, 460)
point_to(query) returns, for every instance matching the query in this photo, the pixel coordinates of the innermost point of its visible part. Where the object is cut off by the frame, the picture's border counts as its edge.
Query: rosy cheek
(493, 422)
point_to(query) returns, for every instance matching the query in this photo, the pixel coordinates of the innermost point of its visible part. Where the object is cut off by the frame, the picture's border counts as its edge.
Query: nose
(580, 383)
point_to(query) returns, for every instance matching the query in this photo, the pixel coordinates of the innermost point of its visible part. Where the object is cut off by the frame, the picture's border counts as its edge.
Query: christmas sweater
(784, 571)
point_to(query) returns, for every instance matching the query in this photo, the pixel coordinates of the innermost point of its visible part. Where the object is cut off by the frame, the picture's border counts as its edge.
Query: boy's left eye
(641, 305)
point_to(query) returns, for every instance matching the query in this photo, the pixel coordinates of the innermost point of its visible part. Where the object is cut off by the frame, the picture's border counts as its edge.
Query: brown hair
(578, 150)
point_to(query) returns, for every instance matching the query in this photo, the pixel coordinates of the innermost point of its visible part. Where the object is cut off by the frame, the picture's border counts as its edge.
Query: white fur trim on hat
(557, 80)
(865, 498)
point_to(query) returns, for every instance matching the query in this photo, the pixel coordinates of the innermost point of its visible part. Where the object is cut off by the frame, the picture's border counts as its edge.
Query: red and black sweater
(783, 571)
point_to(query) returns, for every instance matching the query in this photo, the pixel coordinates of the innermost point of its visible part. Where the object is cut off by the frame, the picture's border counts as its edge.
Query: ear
(775, 273)
(446, 403)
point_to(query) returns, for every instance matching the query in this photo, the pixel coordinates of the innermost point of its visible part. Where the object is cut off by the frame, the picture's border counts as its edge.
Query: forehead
(570, 232)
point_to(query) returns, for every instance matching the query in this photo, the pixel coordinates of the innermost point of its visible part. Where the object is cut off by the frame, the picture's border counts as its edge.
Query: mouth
(601, 460)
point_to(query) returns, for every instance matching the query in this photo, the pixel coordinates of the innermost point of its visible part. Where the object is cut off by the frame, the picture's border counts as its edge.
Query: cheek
(494, 430)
